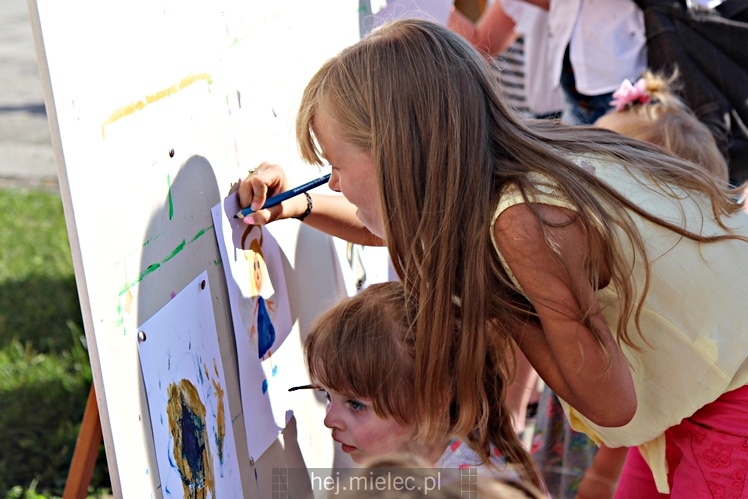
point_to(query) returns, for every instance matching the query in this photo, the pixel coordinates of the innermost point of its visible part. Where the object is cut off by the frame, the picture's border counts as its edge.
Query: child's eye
(356, 405)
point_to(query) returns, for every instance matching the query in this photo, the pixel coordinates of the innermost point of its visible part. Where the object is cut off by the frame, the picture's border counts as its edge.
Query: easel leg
(86, 452)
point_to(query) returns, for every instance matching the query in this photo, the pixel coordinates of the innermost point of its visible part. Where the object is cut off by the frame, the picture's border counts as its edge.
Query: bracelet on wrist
(308, 208)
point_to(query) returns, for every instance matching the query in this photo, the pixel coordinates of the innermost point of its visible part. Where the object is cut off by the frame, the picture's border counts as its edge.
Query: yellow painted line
(150, 99)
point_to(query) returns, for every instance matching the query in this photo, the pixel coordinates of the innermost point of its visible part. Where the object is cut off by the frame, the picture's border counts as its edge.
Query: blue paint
(193, 445)
(265, 328)
(172, 463)
(275, 370)
(219, 446)
(264, 386)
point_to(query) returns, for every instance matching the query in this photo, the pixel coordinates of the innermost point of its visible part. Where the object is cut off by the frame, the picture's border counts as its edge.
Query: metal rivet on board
(171, 153)
(141, 336)
(202, 284)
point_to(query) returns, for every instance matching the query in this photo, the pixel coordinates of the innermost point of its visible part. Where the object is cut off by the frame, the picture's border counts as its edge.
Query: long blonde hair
(364, 346)
(427, 107)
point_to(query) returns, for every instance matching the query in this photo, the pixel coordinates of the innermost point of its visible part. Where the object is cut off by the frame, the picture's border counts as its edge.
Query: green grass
(45, 374)
(37, 286)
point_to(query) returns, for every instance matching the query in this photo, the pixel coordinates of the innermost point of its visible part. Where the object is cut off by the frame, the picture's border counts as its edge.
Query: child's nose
(333, 183)
(332, 419)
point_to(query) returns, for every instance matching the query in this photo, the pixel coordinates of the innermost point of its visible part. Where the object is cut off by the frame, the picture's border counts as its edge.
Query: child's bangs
(357, 354)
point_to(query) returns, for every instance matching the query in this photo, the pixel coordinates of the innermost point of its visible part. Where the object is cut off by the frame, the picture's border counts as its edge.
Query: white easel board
(156, 108)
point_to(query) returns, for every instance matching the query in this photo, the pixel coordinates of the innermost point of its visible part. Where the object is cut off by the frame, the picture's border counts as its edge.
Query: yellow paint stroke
(221, 414)
(187, 424)
(128, 302)
(150, 99)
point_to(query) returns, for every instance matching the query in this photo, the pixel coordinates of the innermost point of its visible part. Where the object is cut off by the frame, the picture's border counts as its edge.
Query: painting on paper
(186, 389)
(261, 316)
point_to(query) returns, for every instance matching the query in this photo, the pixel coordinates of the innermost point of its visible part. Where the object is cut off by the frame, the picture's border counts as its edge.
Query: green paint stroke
(171, 201)
(200, 234)
(120, 316)
(155, 266)
(176, 251)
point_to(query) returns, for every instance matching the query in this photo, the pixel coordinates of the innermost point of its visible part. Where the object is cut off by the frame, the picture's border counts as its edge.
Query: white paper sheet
(261, 317)
(186, 390)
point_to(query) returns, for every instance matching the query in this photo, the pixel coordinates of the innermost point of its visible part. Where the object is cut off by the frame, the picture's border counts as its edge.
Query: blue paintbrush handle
(279, 198)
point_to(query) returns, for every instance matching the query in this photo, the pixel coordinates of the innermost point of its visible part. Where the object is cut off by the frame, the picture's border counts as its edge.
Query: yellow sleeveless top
(694, 317)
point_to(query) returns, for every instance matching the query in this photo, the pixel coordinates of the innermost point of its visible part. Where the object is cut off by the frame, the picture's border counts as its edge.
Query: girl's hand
(261, 183)
(331, 214)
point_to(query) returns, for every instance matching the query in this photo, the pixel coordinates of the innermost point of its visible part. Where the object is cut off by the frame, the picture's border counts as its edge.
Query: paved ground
(26, 158)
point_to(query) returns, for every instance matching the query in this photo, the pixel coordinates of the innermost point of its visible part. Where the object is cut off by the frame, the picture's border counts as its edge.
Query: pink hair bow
(628, 94)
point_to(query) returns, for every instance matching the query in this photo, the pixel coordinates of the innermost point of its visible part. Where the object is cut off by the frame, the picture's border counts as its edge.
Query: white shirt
(541, 95)
(607, 42)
